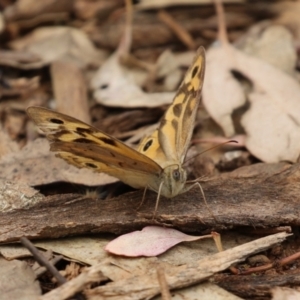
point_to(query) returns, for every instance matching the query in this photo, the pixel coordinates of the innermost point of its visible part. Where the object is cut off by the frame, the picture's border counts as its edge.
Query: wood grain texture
(263, 196)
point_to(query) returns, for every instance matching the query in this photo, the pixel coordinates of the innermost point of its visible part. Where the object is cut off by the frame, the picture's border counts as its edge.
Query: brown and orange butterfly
(157, 164)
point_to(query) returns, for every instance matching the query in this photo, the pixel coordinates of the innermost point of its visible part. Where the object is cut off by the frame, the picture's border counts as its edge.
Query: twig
(284, 261)
(182, 34)
(222, 30)
(41, 270)
(39, 257)
(42, 261)
(164, 288)
(89, 275)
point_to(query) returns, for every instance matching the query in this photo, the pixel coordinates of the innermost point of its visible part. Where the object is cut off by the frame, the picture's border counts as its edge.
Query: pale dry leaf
(168, 69)
(17, 195)
(151, 241)
(183, 59)
(20, 59)
(13, 251)
(271, 122)
(60, 43)
(84, 250)
(28, 166)
(114, 85)
(18, 281)
(7, 145)
(288, 15)
(222, 93)
(271, 43)
(70, 90)
(203, 291)
(26, 9)
(285, 293)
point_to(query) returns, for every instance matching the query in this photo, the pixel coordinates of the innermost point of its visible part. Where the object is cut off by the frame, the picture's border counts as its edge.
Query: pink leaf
(151, 241)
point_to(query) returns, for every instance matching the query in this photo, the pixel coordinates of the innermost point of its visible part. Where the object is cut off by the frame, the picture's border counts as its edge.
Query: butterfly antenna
(211, 148)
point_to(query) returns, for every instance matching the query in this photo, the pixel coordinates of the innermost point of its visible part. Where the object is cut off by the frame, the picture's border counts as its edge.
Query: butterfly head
(174, 179)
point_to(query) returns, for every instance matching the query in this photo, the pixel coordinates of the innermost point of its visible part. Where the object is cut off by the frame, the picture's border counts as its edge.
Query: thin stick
(164, 288)
(39, 257)
(182, 34)
(41, 270)
(222, 30)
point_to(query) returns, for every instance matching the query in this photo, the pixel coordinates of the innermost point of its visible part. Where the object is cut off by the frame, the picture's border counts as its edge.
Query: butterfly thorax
(173, 181)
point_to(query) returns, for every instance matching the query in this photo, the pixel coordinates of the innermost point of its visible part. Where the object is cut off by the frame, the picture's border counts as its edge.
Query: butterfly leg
(143, 199)
(157, 199)
(204, 198)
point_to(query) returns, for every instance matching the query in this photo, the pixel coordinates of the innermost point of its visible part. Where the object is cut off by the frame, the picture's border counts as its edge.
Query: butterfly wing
(85, 146)
(169, 143)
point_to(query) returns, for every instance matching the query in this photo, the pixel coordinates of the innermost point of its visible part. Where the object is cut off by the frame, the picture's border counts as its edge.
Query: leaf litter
(245, 91)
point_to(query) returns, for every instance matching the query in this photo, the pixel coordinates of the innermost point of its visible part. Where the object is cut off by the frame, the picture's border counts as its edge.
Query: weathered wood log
(257, 196)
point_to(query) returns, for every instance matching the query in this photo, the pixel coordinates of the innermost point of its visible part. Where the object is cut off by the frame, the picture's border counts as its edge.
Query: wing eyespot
(147, 145)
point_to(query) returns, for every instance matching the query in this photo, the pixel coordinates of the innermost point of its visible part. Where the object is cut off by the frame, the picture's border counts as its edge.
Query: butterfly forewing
(80, 157)
(69, 134)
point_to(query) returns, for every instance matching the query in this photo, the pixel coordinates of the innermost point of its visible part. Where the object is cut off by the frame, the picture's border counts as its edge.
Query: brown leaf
(65, 43)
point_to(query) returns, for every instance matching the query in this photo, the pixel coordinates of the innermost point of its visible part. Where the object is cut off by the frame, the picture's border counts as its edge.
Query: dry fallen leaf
(114, 85)
(222, 93)
(27, 9)
(60, 43)
(285, 293)
(7, 145)
(17, 195)
(151, 241)
(262, 40)
(18, 281)
(272, 118)
(28, 166)
(271, 122)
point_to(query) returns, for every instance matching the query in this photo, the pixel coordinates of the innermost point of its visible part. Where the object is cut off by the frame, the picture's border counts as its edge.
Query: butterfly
(157, 164)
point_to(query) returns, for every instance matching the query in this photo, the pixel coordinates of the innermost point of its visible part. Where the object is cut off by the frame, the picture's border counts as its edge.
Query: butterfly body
(157, 164)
